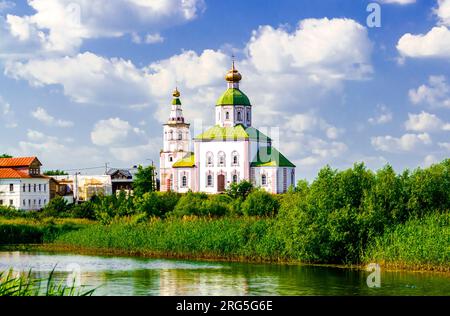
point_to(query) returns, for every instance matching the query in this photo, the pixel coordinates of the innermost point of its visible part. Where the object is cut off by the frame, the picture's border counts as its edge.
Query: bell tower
(177, 139)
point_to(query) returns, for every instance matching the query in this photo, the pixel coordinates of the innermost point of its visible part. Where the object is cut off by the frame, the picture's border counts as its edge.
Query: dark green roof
(176, 101)
(233, 97)
(238, 132)
(187, 161)
(270, 157)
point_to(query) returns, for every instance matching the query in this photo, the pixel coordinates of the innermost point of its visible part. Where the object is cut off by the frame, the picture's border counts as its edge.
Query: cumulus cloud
(383, 115)
(112, 132)
(434, 94)
(43, 116)
(425, 122)
(405, 143)
(62, 25)
(309, 122)
(443, 12)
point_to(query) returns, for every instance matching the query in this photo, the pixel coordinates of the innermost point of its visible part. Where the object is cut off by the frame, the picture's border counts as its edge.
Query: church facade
(231, 151)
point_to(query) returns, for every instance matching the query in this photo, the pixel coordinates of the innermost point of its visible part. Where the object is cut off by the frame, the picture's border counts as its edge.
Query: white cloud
(5, 5)
(435, 94)
(445, 146)
(154, 38)
(318, 47)
(429, 160)
(443, 11)
(383, 115)
(7, 115)
(436, 43)
(309, 122)
(112, 132)
(425, 122)
(42, 115)
(62, 25)
(406, 143)
(401, 2)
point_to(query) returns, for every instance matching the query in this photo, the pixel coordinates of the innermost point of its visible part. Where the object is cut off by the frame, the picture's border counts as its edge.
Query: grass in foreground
(24, 285)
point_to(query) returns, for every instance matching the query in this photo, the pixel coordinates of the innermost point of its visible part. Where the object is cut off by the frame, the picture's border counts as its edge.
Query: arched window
(248, 115)
(235, 158)
(227, 115)
(235, 178)
(221, 159)
(209, 159)
(184, 181)
(264, 180)
(170, 135)
(180, 136)
(239, 116)
(209, 180)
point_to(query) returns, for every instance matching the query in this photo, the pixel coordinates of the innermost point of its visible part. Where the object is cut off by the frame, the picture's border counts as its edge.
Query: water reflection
(135, 276)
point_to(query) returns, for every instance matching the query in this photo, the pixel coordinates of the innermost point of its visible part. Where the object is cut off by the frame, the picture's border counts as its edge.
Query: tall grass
(12, 284)
(419, 243)
(227, 238)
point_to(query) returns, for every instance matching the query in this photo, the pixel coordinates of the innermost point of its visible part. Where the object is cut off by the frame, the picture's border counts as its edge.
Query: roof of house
(18, 162)
(9, 173)
(188, 161)
(233, 96)
(238, 132)
(270, 157)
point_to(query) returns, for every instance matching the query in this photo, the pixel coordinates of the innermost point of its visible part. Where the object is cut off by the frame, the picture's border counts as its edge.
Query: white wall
(18, 196)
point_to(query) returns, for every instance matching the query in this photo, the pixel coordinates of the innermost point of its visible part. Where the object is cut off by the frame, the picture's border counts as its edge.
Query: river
(141, 276)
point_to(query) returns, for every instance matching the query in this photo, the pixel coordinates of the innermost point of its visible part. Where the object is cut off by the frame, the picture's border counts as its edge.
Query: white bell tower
(177, 140)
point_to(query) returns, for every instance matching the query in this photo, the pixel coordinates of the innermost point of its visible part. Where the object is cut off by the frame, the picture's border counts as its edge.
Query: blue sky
(84, 82)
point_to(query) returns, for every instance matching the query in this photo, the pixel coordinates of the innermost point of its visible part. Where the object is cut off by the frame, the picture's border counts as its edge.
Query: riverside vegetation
(354, 216)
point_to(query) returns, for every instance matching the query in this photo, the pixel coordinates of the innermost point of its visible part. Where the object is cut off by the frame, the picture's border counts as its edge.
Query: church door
(221, 183)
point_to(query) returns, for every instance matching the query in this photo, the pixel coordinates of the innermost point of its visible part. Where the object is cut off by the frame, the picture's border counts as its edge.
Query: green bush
(260, 203)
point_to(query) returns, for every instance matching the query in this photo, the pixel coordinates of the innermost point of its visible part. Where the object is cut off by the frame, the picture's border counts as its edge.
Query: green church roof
(270, 157)
(233, 97)
(187, 161)
(176, 101)
(238, 132)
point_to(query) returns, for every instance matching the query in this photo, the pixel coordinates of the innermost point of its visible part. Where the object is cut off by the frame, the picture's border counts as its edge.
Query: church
(229, 152)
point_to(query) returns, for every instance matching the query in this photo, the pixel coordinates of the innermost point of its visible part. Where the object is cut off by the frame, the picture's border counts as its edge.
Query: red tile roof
(9, 173)
(17, 162)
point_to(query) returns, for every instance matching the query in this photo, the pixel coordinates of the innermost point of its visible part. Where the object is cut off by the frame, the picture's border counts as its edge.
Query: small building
(122, 179)
(22, 185)
(84, 187)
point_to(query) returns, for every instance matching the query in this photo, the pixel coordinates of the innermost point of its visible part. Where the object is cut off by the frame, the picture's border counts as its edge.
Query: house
(231, 151)
(122, 179)
(82, 188)
(22, 185)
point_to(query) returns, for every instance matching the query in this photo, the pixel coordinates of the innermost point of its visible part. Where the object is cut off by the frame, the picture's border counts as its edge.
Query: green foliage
(240, 190)
(5, 156)
(156, 203)
(12, 284)
(55, 173)
(144, 180)
(57, 207)
(260, 203)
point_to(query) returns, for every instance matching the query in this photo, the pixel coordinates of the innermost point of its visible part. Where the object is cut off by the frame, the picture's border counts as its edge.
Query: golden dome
(233, 75)
(176, 93)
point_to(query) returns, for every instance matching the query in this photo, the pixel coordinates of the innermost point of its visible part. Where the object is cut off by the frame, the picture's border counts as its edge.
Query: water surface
(141, 276)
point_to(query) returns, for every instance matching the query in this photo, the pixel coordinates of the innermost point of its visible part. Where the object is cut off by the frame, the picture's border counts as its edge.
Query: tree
(240, 190)
(260, 203)
(144, 180)
(55, 173)
(5, 156)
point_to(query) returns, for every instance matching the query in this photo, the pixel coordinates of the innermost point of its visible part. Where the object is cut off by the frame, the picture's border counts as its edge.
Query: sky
(89, 82)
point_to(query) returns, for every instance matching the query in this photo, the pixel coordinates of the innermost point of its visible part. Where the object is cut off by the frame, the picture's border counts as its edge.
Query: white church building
(231, 151)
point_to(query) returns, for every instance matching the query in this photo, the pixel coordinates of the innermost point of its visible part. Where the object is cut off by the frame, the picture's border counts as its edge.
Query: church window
(235, 158)
(180, 135)
(184, 182)
(209, 159)
(227, 115)
(239, 116)
(170, 159)
(209, 180)
(235, 178)
(264, 180)
(248, 115)
(170, 135)
(292, 177)
(221, 156)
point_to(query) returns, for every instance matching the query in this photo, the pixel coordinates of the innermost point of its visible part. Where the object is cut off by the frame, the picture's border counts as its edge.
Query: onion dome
(233, 75)
(176, 97)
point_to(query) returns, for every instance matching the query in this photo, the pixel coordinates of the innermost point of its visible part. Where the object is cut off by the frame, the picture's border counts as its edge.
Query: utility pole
(106, 167)
(153, 175)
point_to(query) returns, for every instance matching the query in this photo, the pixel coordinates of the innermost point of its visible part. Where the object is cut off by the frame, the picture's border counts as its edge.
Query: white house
(21, 184)
(231, 151)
